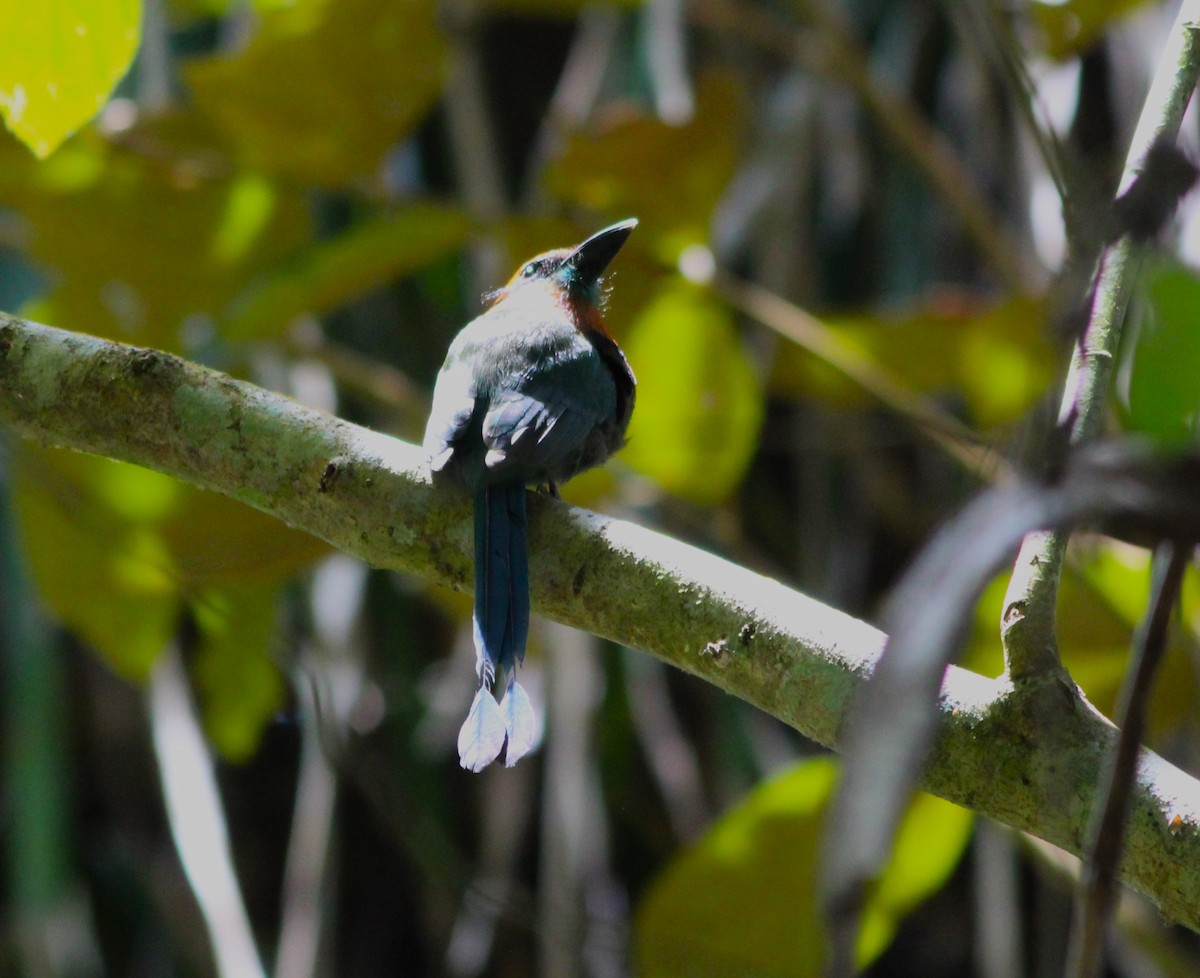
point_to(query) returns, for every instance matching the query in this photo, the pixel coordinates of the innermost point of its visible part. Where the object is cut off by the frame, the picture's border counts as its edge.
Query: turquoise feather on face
(532, 392)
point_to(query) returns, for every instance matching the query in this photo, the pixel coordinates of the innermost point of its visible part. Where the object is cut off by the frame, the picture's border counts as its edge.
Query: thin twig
(1086, 953)
(1027, 626)
(197, 820)
(328, 687)
(597, 30)
(980, 23)
(805, 330)
(383, 383)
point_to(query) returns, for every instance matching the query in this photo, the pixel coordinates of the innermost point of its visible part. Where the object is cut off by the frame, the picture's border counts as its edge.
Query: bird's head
(577, 274)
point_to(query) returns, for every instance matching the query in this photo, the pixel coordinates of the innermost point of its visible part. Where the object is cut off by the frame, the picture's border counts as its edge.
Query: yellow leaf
(668, 176)
(699, 404)
(59, 61)
(742, 901)
(324, 90)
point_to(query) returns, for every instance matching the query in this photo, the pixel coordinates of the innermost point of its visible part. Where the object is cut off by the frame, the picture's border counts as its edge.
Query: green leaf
(932, 837)
(59, 61)
(1070, 27)
(1163, 396)
(700, 405)
(550, 8)
(742, 901)
(1102, 600)
(329, 273)
(618, 167)
(325, 89)
(239, 685)
(995, 358)
(120, 551)
(100, 567)
(189, 238)
(215, 541)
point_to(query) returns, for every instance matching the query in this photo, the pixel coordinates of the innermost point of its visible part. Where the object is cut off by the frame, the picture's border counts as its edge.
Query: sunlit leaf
(983, 653)
(742, 901)
(1163, 396)
(1102, 600)
(323, 90)
(630, 164)
(700, 404)
(1071, 26)
(932, 837)
(240, 687)
(331, 272)
(1004, 361)
(100, 568)
(993, 358)
(190, 236)
(549, 8)
(59, 62)
(120, 551)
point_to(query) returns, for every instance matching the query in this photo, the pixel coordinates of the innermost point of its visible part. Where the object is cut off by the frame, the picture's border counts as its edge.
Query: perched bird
(532, 391)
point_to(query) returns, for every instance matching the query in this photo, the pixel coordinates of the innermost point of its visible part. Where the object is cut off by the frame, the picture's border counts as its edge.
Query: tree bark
(1030, 758)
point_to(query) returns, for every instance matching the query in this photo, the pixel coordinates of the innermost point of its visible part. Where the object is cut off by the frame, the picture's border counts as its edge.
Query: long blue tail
(501, 576)
(501, 622)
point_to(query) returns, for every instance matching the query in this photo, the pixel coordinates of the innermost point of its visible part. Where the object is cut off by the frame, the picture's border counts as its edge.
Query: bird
(532, 391)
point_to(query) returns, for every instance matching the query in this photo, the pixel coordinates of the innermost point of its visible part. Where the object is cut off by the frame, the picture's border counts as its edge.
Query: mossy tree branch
(787, 654)
(1027, 627)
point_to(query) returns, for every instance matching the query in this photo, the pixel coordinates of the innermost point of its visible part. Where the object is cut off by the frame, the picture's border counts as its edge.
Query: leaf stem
(799, 326)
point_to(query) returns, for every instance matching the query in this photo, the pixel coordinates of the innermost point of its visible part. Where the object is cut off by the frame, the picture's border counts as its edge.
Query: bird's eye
(529, 270)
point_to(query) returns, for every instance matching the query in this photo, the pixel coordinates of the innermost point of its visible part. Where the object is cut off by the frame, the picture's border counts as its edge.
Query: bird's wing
(450, 415)
(547, 417)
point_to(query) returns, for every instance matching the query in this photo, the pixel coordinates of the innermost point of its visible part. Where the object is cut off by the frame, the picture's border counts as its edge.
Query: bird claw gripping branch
(532, 392)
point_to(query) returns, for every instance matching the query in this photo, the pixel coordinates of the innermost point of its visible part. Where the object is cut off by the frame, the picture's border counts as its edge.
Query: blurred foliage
(625, 165)
(238, 683)
(997, 358)
(329, 273)
(123, 554)
(359, 100)
(1071, 26)
(311, 195)
(732, 904)
(190, 239)
(700, 403)
(1162, 399)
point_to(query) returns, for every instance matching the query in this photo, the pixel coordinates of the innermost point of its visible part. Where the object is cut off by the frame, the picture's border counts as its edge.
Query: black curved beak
(591, 258)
